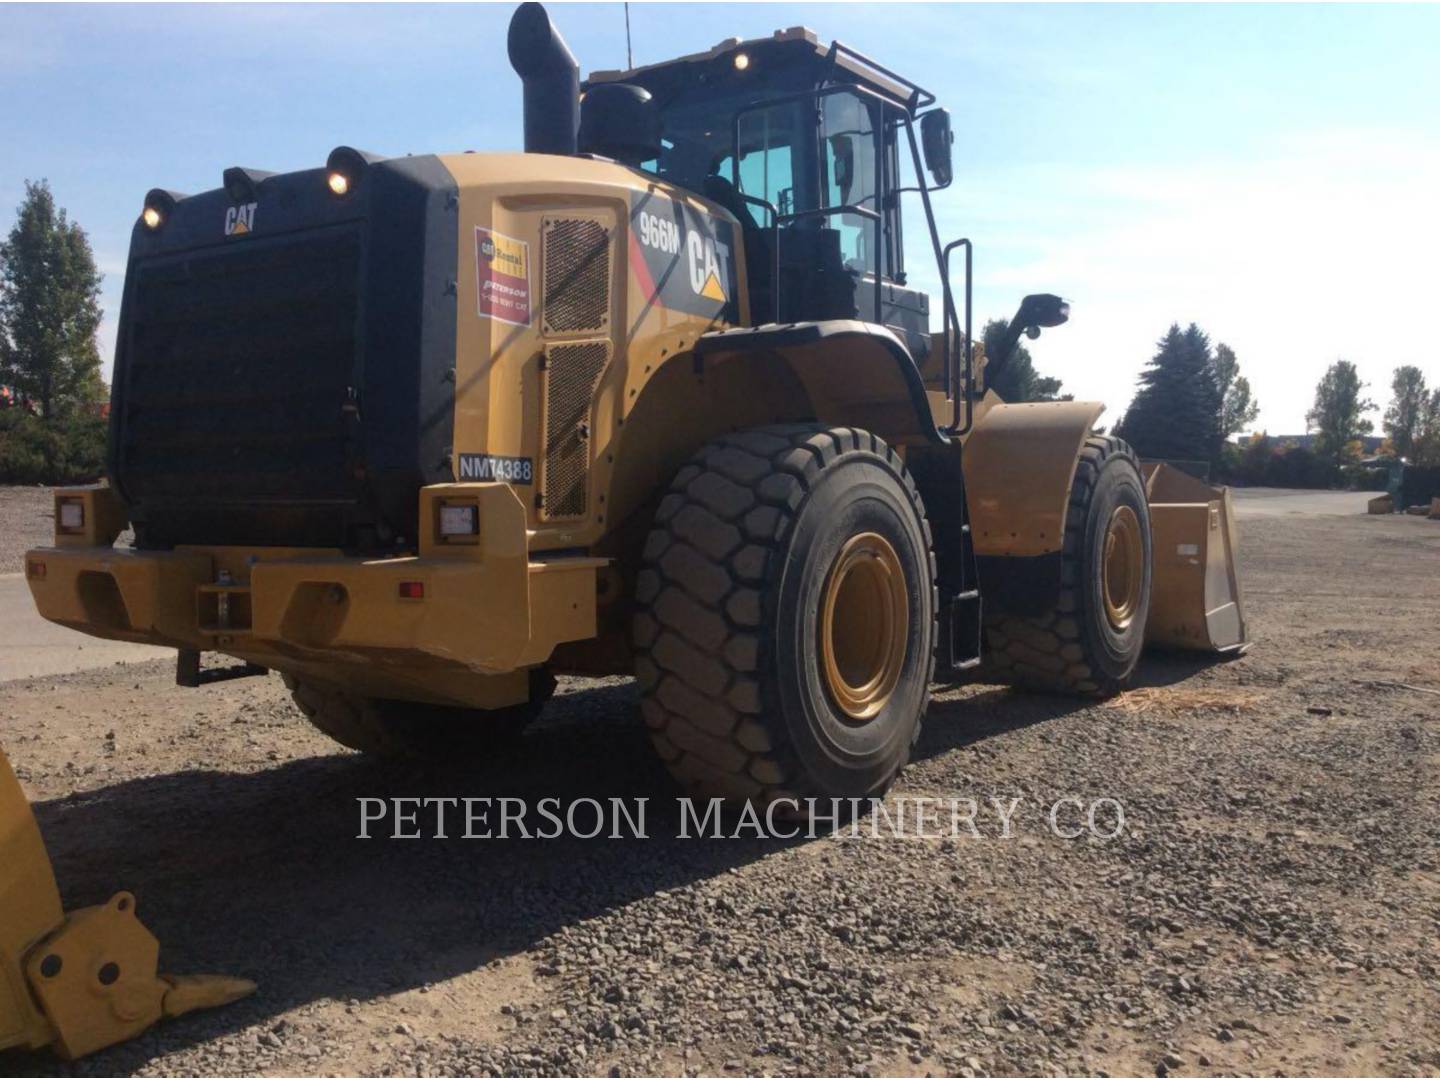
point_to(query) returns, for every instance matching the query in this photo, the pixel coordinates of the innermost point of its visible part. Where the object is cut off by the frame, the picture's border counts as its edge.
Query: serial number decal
(510, 470)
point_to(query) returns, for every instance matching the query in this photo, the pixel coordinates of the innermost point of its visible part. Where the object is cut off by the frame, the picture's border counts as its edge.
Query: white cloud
(1320, 247)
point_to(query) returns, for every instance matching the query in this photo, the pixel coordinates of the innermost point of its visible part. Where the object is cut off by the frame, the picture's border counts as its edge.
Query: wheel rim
(864, 624)
(1124, 567)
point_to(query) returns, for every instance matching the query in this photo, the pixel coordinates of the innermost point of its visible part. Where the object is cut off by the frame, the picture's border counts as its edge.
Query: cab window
(849, 145)
(770, 156)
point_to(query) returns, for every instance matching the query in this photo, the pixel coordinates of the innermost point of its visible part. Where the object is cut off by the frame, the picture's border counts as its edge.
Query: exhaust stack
(551, 77)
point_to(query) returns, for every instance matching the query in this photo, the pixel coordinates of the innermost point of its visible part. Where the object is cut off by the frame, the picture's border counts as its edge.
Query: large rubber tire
(1074, 648)
(409, 729)
(727, 632)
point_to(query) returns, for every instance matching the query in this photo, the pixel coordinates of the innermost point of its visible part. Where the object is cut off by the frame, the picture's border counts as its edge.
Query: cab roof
(793, 47)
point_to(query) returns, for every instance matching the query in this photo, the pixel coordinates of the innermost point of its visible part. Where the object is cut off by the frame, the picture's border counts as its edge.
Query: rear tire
(1090, 642)
(409, 729)
(785, 614)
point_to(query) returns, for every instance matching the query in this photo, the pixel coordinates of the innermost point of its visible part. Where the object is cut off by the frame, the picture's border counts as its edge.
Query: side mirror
(1036, 310)
(1042, 309)
(936, 139)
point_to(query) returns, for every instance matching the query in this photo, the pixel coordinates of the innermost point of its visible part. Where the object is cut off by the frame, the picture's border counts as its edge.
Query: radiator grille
(572, 373)
(240, 361)
(577, 276)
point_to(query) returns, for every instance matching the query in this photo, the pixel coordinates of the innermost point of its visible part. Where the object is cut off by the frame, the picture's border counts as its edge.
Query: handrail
(919, 96)
(769, 207)
(950, 320)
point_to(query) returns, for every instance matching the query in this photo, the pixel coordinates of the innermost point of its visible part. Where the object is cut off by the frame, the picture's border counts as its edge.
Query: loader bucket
(85, 980)
(29, 909)
(1194, 593)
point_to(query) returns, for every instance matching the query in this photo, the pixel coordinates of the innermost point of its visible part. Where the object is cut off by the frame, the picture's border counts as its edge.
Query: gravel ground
(1271, 906)
(27, 519)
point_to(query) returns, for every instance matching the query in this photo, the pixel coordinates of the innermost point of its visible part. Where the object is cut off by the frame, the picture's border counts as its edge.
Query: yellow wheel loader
(655, 396)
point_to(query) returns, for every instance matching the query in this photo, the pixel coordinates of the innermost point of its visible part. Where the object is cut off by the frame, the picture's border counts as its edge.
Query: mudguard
(855, 373)
(1019, 461)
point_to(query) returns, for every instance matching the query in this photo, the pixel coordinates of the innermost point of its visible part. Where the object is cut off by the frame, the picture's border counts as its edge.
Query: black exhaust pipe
(551, 76)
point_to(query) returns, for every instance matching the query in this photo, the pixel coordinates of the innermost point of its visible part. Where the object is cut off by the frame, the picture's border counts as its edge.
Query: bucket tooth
(186, 993)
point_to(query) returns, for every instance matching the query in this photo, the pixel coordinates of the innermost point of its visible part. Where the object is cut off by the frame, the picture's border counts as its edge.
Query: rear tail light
(35, 569)
(412, 590)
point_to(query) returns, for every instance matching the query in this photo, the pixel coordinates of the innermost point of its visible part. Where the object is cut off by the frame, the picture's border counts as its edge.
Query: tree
(1018, 380)
(1238, 408)
(1426, 448)
(1407, 411)
(1338, 415)
(1174, 413)
(1255, 455)
(49, 309)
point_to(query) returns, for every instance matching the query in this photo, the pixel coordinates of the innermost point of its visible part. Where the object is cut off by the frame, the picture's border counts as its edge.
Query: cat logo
(239, 220)
(683, 256)
(705, 267)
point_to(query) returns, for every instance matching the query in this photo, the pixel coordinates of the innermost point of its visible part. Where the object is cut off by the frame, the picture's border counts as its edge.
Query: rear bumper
(486, 609)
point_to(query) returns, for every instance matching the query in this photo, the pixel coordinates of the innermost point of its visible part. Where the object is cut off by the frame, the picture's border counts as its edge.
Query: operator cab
(801, 142)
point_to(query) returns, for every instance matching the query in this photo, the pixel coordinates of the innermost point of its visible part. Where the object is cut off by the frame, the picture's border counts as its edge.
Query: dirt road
(1271, 904)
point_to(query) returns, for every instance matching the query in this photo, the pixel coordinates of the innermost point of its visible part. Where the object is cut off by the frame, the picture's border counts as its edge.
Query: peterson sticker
(683, 258)
(502, 270)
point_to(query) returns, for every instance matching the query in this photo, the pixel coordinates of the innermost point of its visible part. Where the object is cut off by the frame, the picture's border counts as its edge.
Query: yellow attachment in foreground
(81, 981)
(1194, 592)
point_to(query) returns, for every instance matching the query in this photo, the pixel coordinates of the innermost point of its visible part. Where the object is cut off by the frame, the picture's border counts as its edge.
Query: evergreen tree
(1018, 380)
(1407, 410)
(1338, 415)
(1174, 413)
(49, 309)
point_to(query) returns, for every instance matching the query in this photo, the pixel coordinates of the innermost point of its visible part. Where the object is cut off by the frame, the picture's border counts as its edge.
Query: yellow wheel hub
(864, 625)
(1124, 569)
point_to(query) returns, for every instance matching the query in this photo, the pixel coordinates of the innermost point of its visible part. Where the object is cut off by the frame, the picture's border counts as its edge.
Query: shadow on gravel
(1165, 667)
(262, 874)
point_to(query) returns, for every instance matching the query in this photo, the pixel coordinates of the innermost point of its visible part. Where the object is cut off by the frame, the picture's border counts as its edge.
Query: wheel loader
(656, 396)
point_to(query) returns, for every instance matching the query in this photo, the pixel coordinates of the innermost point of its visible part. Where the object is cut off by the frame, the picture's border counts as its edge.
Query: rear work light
(72, 515)
(157, 207)
(459, 520)
(412, 590)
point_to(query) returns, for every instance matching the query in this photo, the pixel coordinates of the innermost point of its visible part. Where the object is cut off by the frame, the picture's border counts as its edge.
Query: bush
(1297, 467)
(67, 450)
(1365, 477)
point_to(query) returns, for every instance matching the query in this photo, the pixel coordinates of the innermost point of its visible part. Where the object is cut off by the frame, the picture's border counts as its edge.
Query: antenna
(629, 56)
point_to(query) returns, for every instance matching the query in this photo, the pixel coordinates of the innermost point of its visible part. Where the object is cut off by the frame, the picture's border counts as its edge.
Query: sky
(1271, 173)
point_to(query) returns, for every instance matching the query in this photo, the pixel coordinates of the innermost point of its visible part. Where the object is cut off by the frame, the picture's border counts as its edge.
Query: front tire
(1089, 643)
(785, 616)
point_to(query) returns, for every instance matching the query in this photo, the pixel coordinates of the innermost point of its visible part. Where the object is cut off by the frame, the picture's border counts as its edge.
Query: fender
(1018, 463)
(855, 373)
